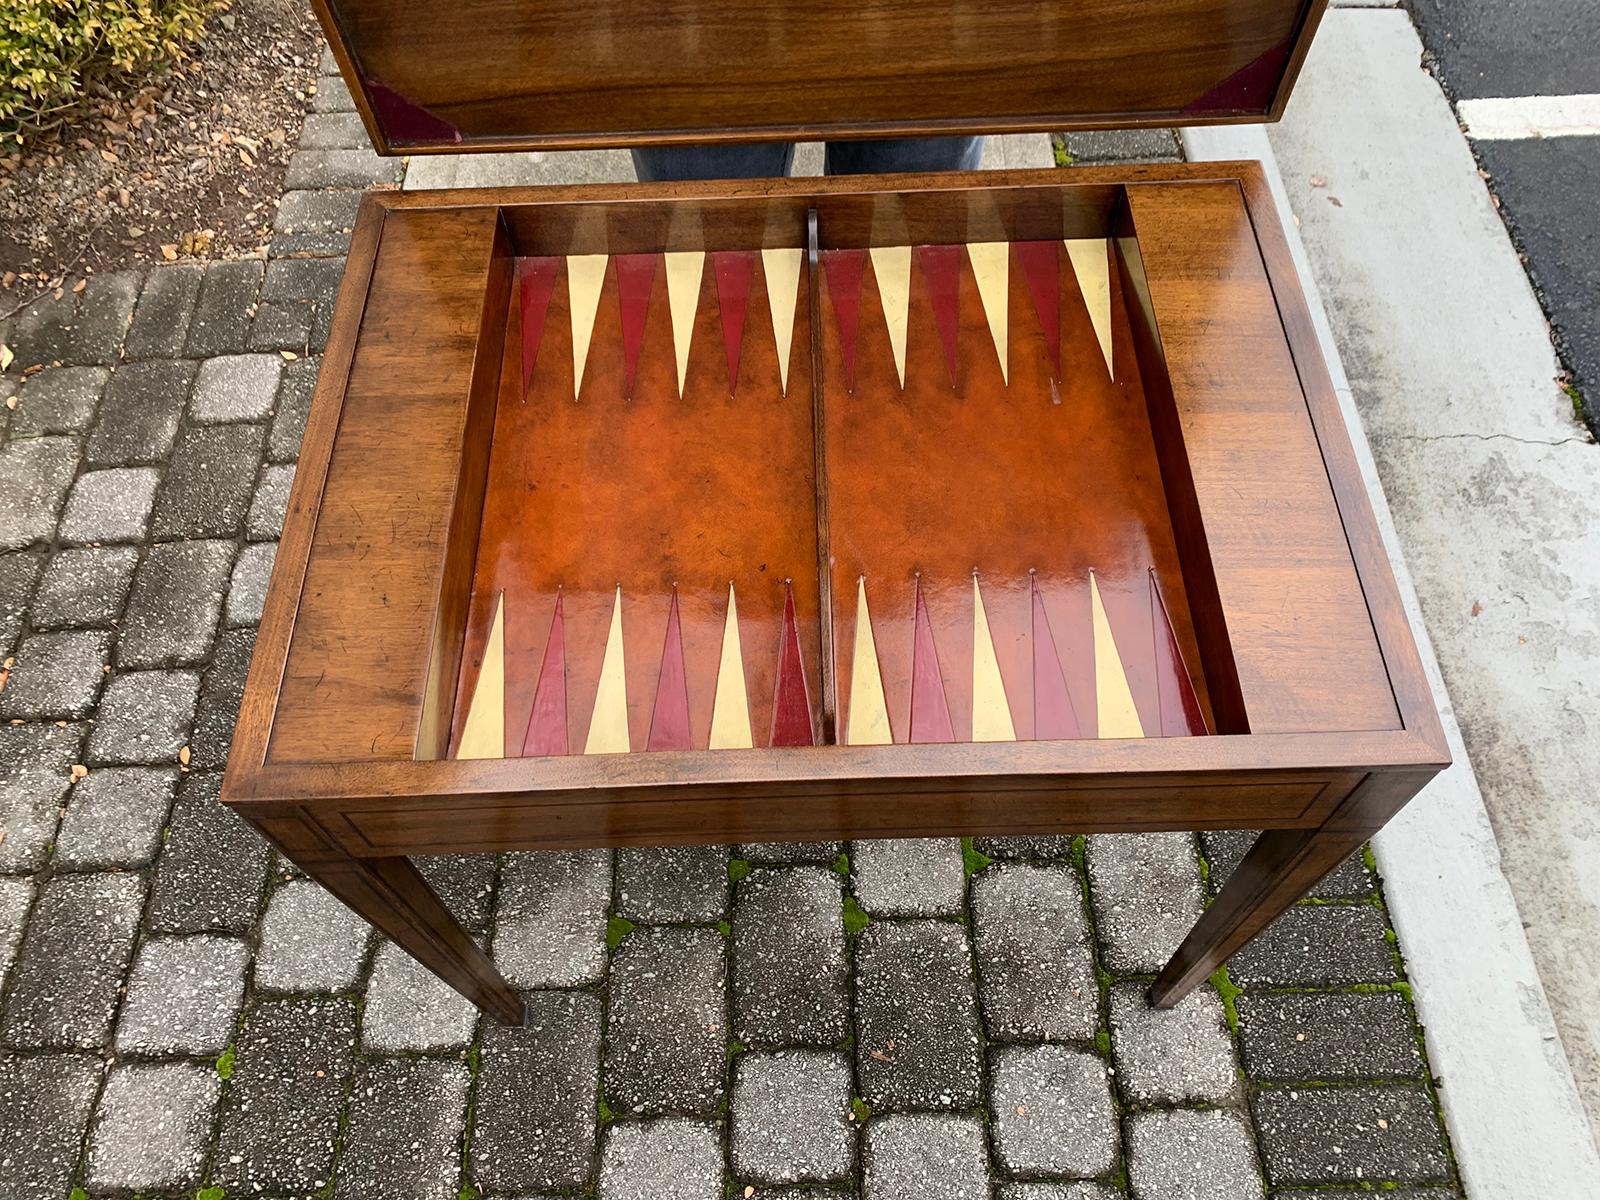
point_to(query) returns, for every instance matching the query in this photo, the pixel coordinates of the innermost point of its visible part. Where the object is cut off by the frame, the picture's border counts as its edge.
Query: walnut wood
(1246, 442)
(521, 74)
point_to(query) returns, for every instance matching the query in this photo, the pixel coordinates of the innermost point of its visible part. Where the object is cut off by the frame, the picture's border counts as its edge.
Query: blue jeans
(659, 164)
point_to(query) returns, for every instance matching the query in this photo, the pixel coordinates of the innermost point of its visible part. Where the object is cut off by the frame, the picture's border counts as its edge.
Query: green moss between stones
(855, 917)
(842, 863)
(225, 1064)
(861, 1108)
(738, 868)
(210, 1193)
(1229, 992)
(972, 861)
(1102, 1041)
(725, 929)
(617, 928)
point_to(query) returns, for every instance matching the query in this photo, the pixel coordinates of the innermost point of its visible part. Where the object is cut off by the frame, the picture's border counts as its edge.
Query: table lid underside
(528, 74)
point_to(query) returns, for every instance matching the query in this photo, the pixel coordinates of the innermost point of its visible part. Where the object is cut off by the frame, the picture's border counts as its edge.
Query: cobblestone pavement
(922, 1019)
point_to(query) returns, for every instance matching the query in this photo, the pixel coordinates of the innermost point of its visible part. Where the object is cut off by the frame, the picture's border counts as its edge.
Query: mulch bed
(188, 165)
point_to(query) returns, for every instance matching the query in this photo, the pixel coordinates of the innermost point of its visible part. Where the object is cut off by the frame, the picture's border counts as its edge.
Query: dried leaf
(169, 252)
(183, 755)
(1318, 181)
(79, 771)
(5, 361)
(79, 286)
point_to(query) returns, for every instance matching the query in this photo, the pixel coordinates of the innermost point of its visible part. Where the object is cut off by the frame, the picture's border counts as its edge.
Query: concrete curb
(1512, 1107)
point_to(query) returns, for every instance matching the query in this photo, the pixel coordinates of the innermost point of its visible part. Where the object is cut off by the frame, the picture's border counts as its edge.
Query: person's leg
(904, 154)
(758, 160)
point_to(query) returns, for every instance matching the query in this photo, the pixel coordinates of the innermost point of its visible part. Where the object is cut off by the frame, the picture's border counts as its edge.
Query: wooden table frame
(353, 825)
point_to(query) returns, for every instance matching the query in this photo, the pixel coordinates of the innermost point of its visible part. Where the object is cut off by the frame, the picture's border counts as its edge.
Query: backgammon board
(884, 506)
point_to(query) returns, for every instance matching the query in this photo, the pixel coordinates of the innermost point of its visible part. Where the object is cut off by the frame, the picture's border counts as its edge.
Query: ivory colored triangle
(483, 734)
(892, 266)
(585, 275)
(783, 289)
(1118, 718)
(730, 710)
(991, 711)
(991, 266)
(683, 298)
(869, 712)
(608, 725)
(1091, 263)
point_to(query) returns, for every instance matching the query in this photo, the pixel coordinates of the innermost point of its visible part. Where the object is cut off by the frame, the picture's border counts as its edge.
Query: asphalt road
(1549, 187)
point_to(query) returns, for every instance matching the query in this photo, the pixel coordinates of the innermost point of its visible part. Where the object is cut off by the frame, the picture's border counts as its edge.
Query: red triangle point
(547, 724)
(791, 702)
(941, 271)
(844, 269)
(636, 275)
(669, 721)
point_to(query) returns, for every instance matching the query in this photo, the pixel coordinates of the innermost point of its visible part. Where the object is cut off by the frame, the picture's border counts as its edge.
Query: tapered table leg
(392, 895)
(1282, 866)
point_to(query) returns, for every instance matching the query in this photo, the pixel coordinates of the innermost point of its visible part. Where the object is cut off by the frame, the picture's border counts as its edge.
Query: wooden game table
(1012, 504)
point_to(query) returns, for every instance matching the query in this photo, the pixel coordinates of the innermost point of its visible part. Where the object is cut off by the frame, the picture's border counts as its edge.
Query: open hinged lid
(564, 74)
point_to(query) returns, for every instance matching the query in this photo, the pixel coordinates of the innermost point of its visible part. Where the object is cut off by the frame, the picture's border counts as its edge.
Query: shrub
(52, 51)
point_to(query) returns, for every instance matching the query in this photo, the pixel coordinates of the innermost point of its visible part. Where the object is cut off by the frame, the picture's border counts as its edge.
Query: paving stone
(297, 244)
(791, 852)
(317, 211)
(1052, 1112)
(1081, 1190)
(280, 1119)
(144, 717)
(68, 972)
(550, 926)
(1318, 946)
(310, 942)
(176, 603)
(924, 1157)
(789, 971)
(247, 591)
(221, 691)
(34, 765)
(666, 1022)
(1146, 893)
(1035, 964)
(270, 504)
(115, 817)
(1185, 1154)
(1403, 1193)
(207, 488)
(1124, 145)
(908, 877)
(34, 476)
(151, 1128)
(84, 587)
(42, 332)
(161, 318)
(1225, 849)
(104, 310)
(791, 1118)
(1025, 847)
(281, 325)
(139, 415)
(1179, 1055)
(110, 506)
(359, 168)
(58, 400)
(224, 308)
(16, 898)
(306, 280)
(210, 875)
(45, 1102)
(465, 882)
(534, 1115)
(1332, 1134)
(332, 96)
(235, 387)
(332, 131)
(18, 572)
(293, 406)
(56, 674)
(1328, 1035)
(672, 883)
(403, 1141)
(917, 1039)
(410, 1008)
(183, 996)
(670, 1159)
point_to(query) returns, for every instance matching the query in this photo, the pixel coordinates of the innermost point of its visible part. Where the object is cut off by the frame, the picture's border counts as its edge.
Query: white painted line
(1531, 117)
